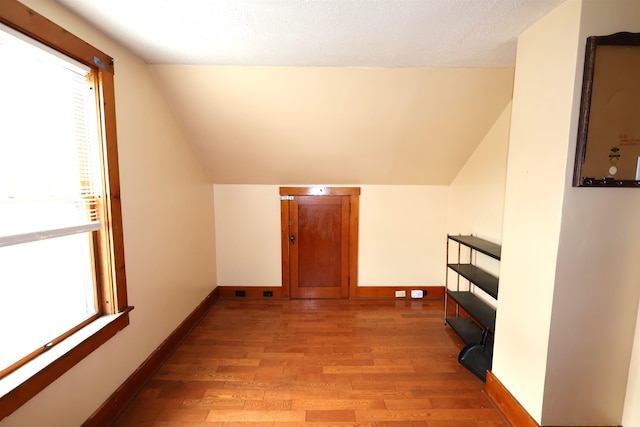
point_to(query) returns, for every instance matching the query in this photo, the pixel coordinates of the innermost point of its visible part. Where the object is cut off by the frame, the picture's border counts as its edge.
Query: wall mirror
(608, 150)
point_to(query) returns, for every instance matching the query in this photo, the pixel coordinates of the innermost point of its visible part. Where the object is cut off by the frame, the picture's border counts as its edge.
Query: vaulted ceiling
(327, 91)
(335, 125)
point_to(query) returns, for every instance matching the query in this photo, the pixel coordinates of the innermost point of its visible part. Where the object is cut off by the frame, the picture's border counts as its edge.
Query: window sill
(24, 383)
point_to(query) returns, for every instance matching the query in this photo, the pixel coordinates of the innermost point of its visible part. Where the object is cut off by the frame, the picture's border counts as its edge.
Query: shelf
(468, 331)
(476, 308)
(465, 328)
(481, 314)
(478, 277)
(488, 248)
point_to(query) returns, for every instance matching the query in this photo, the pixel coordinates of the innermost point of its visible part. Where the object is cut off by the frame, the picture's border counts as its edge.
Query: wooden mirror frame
(587, 114)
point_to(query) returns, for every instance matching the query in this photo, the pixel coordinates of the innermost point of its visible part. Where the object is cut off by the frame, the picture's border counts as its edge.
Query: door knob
(292, 238)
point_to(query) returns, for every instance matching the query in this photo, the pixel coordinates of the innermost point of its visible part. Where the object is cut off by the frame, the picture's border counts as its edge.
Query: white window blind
(50, 179)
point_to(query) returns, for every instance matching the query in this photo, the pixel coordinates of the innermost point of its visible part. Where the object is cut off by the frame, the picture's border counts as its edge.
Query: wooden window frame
(28, 380)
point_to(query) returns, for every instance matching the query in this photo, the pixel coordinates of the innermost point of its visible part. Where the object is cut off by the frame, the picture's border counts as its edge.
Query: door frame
(354, 212)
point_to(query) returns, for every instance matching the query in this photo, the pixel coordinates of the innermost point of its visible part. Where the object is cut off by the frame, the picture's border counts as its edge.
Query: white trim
(29, 369)
(48, 234)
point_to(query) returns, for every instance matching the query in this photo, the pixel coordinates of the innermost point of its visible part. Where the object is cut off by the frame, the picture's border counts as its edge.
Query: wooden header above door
(319, 191)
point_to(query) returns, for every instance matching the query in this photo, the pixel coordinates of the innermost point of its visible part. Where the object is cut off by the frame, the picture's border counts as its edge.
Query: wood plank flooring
(323, 363)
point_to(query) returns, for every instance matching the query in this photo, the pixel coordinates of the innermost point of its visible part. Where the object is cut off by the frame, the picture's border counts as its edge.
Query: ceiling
(296, 92)
(332, 125)
(335, 33)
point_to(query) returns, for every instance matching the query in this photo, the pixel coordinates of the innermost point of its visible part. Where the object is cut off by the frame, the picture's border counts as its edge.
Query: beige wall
(596, 277)
(543, 94)
(248, 235)
(476, 195)
(402, 235)
(568, 291)
(476, 199)
(631, 415)
(168, 234)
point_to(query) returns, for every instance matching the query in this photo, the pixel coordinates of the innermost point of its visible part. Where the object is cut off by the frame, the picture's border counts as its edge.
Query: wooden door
(318, 234)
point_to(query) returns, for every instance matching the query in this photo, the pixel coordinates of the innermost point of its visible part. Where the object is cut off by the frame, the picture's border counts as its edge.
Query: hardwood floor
(324, 363)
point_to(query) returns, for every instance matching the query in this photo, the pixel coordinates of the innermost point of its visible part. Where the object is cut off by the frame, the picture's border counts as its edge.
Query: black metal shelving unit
(481, 315)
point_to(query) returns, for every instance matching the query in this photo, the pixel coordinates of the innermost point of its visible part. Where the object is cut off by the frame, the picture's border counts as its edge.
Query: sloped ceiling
(335, 125)
(327, 91)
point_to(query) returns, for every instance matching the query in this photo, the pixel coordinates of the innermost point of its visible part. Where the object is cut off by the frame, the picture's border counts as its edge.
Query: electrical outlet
(267, 293)
(401, 294)
(239, 293)
(417, 293)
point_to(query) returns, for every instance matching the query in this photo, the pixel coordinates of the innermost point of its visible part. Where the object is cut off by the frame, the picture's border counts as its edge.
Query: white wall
(538, 152)
(569, 291)
(402, 235)
(168, 236)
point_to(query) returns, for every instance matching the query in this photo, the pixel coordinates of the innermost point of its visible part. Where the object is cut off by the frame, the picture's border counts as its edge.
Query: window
(61, 254)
